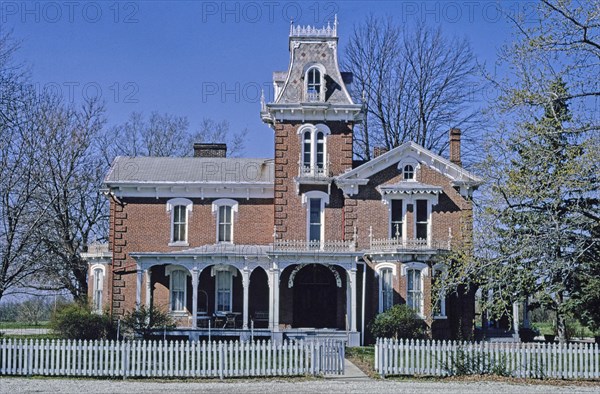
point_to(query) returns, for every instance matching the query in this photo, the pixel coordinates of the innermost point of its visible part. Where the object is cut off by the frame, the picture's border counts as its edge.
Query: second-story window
(422, 219)
(315, 219)
(225, 224)
(396, 219)
(179, 209)
(225, 210)
(179, 224)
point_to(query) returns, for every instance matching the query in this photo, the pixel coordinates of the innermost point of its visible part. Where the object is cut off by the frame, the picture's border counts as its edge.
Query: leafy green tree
(400, 321)
(77, 321)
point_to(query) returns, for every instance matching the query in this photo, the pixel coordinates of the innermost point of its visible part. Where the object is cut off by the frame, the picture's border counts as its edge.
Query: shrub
(76, 321)
(400, 321)
(144, 320)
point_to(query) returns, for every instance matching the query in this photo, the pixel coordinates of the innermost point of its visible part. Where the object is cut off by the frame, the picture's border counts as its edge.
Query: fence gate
(331, 356)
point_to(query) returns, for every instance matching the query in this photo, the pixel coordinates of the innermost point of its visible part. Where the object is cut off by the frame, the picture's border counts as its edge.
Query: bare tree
(72, 172)
(20, 183)
(415, 85)
(168, 135)
(212, 131)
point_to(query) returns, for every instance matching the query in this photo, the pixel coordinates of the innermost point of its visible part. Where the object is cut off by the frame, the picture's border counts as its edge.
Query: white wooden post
(274, 299)
(148, 275)
(195, 278)
(246, 285)
(516, 319)
(138, 288)
(352, 286)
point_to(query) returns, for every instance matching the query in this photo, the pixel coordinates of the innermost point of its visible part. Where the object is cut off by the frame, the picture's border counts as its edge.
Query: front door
(315, 298)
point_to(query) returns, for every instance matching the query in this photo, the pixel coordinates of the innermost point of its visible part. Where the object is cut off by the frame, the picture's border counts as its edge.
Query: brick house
(305, 243)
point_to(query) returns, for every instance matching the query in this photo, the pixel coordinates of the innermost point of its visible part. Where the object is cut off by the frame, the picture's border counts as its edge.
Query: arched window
(307, 150)
(313, 85)
(320, 151)
(439, 308)
(98, 287)
(313, 157)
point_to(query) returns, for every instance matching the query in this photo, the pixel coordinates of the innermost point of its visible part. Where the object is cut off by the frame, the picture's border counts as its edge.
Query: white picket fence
(170, 359)
(525, 360)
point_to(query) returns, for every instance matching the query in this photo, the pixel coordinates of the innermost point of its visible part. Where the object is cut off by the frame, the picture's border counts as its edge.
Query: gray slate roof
(125, 169)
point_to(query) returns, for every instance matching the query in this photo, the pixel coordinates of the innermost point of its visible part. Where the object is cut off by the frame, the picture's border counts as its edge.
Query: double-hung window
(178, 285)
(387, 289)
(225, 211)
(98, 274)
(414, 292)
(315, 219)
(179, 209)
(225, 224)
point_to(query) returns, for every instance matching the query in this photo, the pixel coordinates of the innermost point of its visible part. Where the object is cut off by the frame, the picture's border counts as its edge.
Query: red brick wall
(290, 214)
(144, 225)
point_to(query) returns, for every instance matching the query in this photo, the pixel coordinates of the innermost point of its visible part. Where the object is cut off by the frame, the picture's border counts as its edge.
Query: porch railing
(395, 244)
(286, 245)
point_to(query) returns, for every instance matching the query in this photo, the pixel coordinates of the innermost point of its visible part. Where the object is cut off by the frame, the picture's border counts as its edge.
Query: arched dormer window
(409, 172)
(313, 159)
(314, 84)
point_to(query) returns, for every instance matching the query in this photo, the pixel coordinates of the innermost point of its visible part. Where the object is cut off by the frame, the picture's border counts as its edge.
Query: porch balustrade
(285, 245)
(395, 244)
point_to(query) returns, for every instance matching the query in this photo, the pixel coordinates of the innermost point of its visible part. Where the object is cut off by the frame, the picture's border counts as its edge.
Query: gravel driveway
(59, 385)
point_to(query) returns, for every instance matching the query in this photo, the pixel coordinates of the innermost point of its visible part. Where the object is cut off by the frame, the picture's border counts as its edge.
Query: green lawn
(17, 325)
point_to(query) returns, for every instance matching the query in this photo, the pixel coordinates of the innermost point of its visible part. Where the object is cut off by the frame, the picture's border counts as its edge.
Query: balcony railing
(285, 245)
(399, 244)
(314, 171)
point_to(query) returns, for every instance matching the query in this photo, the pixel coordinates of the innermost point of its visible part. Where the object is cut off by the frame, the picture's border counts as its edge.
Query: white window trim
(430, 202)
(234, 210)
(93, 269)
(306, 197)
(442, 299)
(313, 129)
(171, 204)
(378, 268)
(424, 272)
(321, 70)
(169, 269)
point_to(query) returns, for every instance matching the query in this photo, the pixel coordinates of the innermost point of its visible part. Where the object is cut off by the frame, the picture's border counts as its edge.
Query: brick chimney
(379, 150)
(455, 146)
(210, 150)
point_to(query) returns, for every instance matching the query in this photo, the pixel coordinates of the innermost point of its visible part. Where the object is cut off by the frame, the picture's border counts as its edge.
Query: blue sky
(207, 59)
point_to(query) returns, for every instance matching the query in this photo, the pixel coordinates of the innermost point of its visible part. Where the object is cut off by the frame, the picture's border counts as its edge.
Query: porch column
(274, 299)
(246, 285)
(147, 274)
(352, 287)
(138, 288)
(195, 278)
